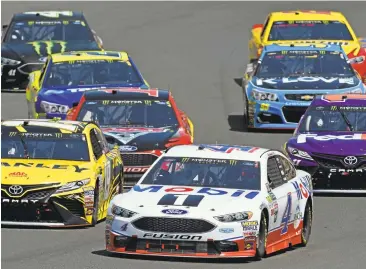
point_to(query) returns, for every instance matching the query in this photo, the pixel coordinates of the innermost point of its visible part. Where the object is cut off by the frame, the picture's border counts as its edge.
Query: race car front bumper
(332, 179)
(39, 208)
(275, 115)
(220, 242)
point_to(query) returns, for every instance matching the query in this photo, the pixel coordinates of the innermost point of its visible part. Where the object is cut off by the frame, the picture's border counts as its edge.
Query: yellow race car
(64, 78)
(309, 26)
(56, 173)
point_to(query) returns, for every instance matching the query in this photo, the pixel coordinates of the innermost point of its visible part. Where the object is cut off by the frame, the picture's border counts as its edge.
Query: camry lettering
(303, 79)
(172, 236)
(17, 201)
(347, 170)
(302, 138)
(78, 169)
(207, 191)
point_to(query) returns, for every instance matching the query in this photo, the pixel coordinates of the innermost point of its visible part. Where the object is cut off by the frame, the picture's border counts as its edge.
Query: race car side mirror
(239, 81)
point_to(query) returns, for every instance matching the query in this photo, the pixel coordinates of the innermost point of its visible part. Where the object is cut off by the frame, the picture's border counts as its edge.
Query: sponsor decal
(271, 197)
(250, 225)
(84, 89)
(297, 217)
(310, 80)
(174, 211)
(249, 245)
(307, 97)
(41, 165)
(48, 46)
(274, 212)
(226, 230)
(172, 236)
(302, 138)
(90, 211)
(127, 148)
(229, 149)
(360, 170)
(302, 188)
(18, 174)
(19, 201)
(206, 191)
(134, 169)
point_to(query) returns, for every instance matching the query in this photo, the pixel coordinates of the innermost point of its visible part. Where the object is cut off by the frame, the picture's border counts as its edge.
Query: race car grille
(336, 161)
(293, 113)
(30, 191)
(300, 97)
(173, 225)
(137, 159)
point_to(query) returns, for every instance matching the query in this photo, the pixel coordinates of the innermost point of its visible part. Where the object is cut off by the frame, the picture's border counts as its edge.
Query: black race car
(31, 36)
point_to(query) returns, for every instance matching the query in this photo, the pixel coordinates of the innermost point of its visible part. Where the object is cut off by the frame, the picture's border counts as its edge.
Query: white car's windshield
(334, 119)
(205, 172)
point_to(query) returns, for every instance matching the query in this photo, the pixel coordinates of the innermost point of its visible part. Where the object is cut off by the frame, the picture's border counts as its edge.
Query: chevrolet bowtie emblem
(307, 97)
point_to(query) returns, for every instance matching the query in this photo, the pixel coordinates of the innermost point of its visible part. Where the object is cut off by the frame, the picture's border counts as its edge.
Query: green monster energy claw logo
(105, 102)
(49, 46)
(148, 102)
(333, 108)
(58, 135)
(233, 162)
(12, 134)
(184, 160)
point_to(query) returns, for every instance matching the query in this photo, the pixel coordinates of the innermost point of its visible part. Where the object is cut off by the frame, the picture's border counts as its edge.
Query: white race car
(213, 201)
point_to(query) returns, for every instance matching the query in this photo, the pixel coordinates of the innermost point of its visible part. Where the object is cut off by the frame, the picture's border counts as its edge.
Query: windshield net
(53, 146)
(309, 30)
(304, 63)
(219, 173)
(66, 30)
(92, 73)
(147, 113)
(334, 119)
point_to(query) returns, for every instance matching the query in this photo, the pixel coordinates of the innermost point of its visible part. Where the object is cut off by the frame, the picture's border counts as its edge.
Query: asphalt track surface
(196, 48)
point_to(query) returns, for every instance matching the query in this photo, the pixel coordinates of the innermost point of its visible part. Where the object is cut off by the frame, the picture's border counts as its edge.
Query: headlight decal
(245, 215)
(54, 108)
(264, 96)
(299, 153)
(122, 212)
(73, 185)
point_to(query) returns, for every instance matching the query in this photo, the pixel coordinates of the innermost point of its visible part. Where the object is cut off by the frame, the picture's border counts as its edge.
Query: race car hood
(140, 139)
(31, 51)
(30, 171)
(148, 200)
(347, 46)
(306, 83)
(71, 94)
(339, 143)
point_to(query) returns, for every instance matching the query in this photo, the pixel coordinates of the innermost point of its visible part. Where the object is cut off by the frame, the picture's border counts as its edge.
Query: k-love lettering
(206, 190)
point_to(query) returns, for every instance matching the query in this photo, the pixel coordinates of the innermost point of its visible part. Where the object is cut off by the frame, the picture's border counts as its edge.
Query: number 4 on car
(56, 173)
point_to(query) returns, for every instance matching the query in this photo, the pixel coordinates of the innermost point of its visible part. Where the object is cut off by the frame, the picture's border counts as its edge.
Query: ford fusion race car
(31, 36)
(278, 89)
(330, 143)
(309, 26)
(143, 123)
(65, 76)
(56, 173)
(213, 201)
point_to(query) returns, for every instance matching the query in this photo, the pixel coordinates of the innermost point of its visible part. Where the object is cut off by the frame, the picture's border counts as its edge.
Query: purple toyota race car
(330, 143)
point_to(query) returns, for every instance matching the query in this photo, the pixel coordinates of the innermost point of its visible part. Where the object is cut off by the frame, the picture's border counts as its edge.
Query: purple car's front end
(330, 143)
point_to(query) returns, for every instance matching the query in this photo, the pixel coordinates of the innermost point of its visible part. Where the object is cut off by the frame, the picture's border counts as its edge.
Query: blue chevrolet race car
(53, 91)
(279, 88)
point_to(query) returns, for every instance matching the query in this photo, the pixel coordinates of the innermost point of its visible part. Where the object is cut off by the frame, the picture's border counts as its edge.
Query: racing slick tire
(307, 224)
(96, 205)
(262, 238)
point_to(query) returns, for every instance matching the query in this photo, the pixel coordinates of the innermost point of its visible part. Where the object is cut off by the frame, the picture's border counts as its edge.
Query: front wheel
(262, 238)
(307, 225)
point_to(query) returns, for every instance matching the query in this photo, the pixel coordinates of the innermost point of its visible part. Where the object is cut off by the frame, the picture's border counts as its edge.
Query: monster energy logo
(105, 102)
(12, 134)
(284, 52)
(322, 52)
(333, 108)
(233, 162)
(148, 102)
(184, 160)
(58, 135)
(49, 45)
